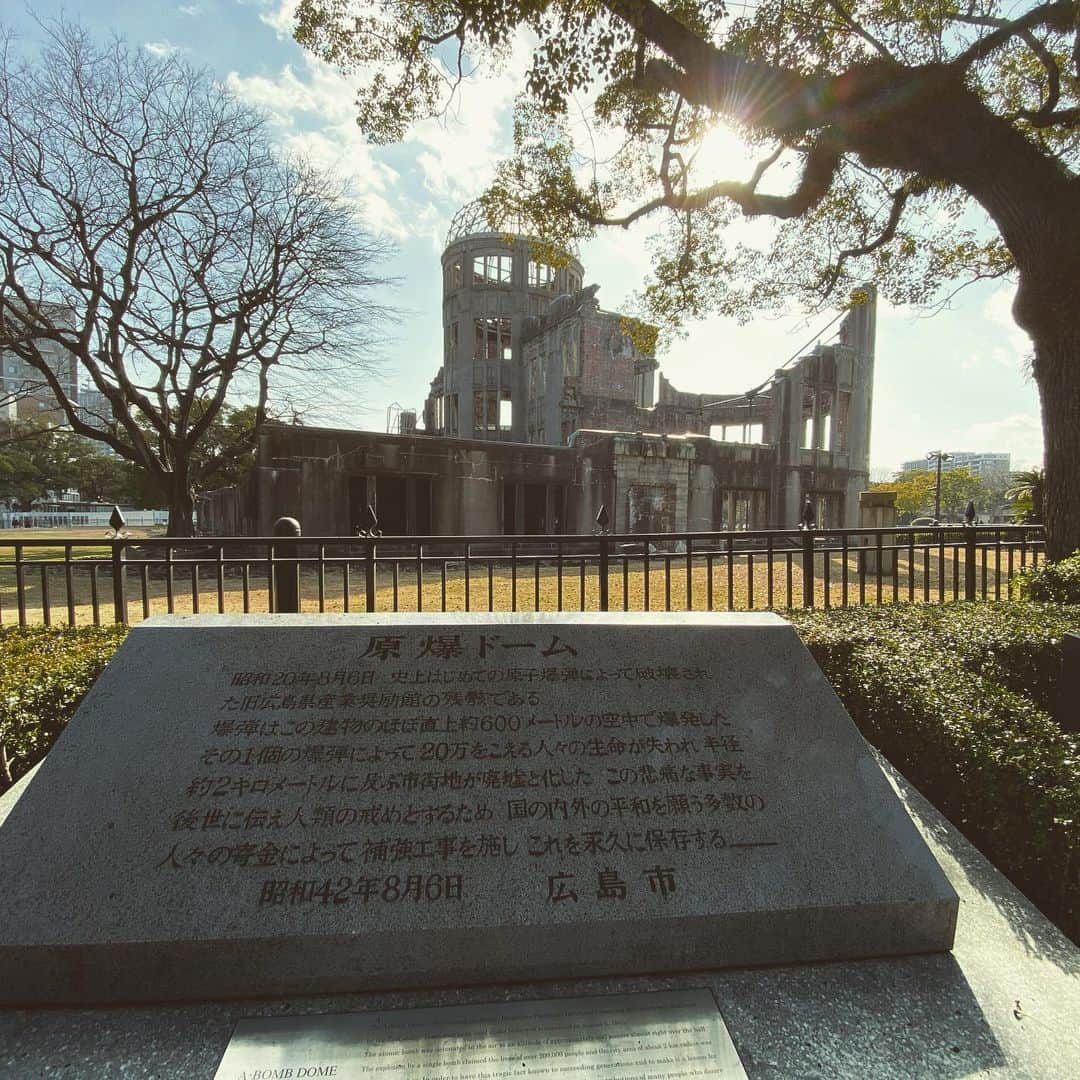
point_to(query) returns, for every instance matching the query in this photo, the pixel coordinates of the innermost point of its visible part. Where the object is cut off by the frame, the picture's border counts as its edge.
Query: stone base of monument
(1004, 1003)
(282, 805)
(345, 803)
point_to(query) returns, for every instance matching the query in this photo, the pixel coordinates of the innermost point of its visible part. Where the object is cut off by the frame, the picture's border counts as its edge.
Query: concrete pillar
(877, 510)
(699, 511)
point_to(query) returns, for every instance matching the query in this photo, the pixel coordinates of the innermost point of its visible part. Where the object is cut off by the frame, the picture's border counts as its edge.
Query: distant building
(987, 467)
(94, 408)
(24, 391)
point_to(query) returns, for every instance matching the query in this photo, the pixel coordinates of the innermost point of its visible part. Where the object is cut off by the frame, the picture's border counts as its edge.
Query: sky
(955, 381)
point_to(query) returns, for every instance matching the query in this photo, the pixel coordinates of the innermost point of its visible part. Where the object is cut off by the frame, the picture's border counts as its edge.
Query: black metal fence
(122, 579)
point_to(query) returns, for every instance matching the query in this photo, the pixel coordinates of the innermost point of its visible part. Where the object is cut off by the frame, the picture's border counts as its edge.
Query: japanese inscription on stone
(395, 777)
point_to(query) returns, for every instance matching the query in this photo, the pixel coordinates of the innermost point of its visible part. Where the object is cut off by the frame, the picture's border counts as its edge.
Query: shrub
(1056, 582)
(44, 673)
(942, 692)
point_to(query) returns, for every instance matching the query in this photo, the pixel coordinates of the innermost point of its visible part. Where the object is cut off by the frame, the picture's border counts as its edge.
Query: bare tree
(149, 232)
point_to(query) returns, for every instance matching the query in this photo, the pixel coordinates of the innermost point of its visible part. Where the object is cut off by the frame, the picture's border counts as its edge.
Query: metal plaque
(667, 1035)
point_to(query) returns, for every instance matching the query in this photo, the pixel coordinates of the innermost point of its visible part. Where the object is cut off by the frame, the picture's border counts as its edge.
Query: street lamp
(939, 456)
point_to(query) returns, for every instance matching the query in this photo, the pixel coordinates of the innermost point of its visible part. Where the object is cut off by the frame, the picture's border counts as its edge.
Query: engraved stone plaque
(274, 804)
(668, 1035)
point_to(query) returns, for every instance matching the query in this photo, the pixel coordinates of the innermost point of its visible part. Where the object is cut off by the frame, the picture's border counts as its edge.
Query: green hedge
(44, 673)
(956, 698)
(1057, 582)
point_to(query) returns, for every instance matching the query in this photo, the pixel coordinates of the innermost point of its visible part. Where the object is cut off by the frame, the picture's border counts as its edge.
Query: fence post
(370, 530)
(118, 534)
(969, 552)
(287, 566)
(806, 524)
(603, 521)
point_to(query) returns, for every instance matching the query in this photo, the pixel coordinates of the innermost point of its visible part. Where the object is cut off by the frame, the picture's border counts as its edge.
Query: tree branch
(1059, 15)
(899, 202)
(822, 161)
(861, 31)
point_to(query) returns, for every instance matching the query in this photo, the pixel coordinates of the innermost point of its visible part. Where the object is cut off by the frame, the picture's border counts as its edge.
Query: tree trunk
(1057, 373)
(181, 504)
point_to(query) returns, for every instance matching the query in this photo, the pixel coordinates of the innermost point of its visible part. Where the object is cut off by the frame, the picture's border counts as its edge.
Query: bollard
(286, 566)
(119, 534)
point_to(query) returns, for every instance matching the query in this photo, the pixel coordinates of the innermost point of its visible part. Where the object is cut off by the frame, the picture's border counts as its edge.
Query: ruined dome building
(545, 408)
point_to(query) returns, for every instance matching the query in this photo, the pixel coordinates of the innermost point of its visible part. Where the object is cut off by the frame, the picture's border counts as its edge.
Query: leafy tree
(916, 493)
(892, 132)
(991, 501)
(1026, 494)
(37, 459)
(148, 232)
(222, 457)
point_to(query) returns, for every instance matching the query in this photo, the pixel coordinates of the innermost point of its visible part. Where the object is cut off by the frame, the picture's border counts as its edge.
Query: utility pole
(939, 456)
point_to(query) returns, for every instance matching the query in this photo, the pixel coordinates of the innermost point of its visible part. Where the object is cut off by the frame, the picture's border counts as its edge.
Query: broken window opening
(644, 388)
(451, 344)
(824, 424)
(486, 411)
(743, 508)
(807, 441)
(492, 269)
(573, 282)
(452, 276)
(493, 340)
(506, 412)
(541, 276)
(737, 433)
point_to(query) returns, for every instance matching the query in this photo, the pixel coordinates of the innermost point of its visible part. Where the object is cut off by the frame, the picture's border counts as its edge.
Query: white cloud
(1019, 434)
(313, 111)
(459, 151)
(161, 48)
(280, 15)
(191, 10)
(1015, 346)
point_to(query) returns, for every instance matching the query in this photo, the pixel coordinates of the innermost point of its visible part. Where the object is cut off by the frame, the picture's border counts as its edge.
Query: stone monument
(288, 803)
(877, 510)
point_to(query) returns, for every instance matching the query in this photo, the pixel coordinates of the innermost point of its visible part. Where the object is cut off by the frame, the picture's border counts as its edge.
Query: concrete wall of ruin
(683, 483)
(325, 478)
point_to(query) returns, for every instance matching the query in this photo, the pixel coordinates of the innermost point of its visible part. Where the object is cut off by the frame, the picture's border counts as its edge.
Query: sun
(722, 155)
